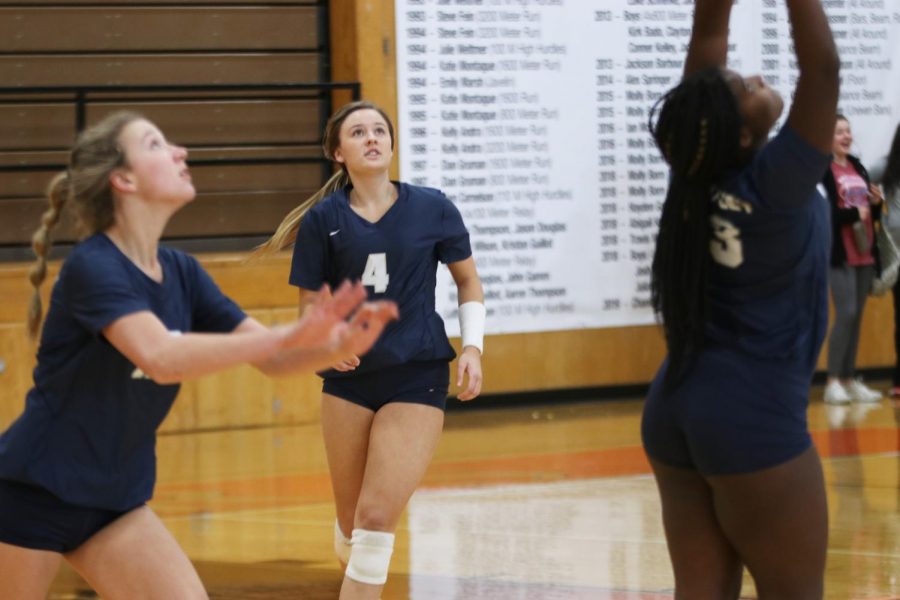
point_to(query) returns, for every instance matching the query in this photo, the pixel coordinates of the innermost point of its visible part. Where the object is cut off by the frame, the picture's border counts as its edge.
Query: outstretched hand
(326, 312)
(324, 324)
(346, 363)
(359, 335)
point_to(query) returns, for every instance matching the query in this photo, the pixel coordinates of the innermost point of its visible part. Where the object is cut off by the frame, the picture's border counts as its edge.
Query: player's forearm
(296, 360)
(813, 41)
(197, 354)
(708, 46)
(470, 290)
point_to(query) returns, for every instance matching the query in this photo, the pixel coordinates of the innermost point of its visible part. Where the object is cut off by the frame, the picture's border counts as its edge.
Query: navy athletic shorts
(424, 382)
(733, 413)
(32, 517)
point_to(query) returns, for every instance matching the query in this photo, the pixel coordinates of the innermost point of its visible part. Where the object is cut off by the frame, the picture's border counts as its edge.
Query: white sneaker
(860, 392)
(835, 393)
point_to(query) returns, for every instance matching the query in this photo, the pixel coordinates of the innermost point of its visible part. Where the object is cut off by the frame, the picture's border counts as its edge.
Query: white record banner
(531, 115)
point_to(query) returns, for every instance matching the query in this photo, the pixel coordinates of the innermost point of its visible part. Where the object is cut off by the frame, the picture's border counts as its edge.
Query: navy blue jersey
(396, 258)
(88, 430)
(768, 276)
(742, 405)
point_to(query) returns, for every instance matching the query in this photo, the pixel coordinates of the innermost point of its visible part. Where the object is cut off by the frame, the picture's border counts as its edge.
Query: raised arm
(815, 98)
(709, 37)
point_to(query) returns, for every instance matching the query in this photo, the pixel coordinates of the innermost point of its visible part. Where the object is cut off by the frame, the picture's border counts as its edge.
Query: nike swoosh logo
(333, 233)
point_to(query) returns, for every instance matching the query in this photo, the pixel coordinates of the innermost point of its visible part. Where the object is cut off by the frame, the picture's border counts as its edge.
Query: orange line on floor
(293, 489)
(856, 442)
(612, 462)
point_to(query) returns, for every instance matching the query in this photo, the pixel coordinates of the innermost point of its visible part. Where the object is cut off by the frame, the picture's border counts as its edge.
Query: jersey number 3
(375, 274)
(726, 246)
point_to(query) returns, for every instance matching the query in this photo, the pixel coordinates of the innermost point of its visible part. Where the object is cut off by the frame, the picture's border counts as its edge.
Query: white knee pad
(370, 556)
(341, 544)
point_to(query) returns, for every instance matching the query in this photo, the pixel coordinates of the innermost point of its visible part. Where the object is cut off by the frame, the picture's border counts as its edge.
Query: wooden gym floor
(550, 503)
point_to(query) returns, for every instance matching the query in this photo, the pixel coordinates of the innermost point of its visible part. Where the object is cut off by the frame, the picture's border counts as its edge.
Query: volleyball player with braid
(739, 280)
(128, 320)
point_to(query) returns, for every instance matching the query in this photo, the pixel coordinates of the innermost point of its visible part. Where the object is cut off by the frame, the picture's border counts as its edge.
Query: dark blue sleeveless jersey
(88, 432)
(396, 258)
(768, 277)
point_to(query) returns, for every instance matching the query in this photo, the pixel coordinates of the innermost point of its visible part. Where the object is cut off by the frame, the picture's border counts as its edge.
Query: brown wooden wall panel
(92, 29)
(54, 3)
(257, 177)
(39, 125)
(233, 200)
(254, 121)
(33, 157)
(262, 152)
(209, 215)
(17, 357)
(21, 218)
(23, 184)
(209, 178)
(227, 121)
(15, 292)
(162, 43)
(158, 69)
(236, 214)
(210, 41)
(60, 156)
(267, 286)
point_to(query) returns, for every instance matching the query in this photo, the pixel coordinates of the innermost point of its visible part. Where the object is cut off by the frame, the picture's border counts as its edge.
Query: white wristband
(471, 324)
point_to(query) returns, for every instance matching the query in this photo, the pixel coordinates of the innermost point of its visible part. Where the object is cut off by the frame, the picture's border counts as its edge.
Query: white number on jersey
(375, 273)
(726, 246)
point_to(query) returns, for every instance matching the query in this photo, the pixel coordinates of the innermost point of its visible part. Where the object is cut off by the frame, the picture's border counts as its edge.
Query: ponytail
(41, 242)
(85, 186)
(286, 233)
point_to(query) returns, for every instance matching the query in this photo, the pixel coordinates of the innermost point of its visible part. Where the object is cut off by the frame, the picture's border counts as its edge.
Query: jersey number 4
(375, 274)
(726, 246)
